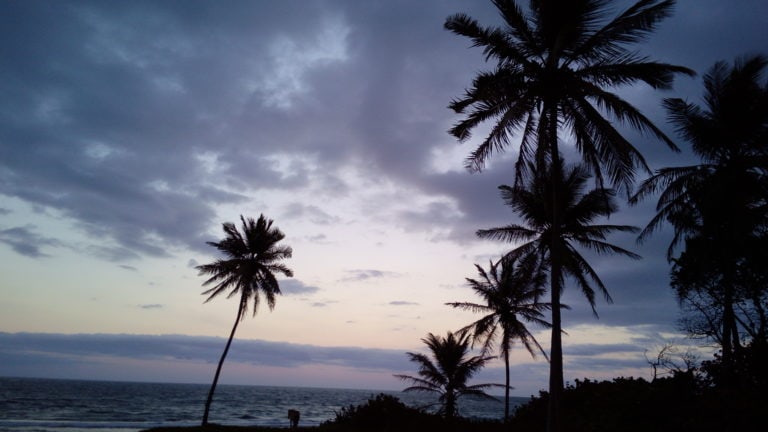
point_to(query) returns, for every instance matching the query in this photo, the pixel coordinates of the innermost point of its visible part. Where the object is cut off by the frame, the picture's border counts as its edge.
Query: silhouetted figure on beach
(293, 417)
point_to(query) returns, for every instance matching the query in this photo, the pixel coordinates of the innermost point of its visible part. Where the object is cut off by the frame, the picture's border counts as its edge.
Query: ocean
(48, 405)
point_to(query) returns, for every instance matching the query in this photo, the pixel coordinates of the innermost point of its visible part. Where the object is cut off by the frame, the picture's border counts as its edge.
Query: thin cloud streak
(51, 346)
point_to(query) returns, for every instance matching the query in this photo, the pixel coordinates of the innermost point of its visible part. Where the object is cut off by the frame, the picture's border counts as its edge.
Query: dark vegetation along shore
(683, 401)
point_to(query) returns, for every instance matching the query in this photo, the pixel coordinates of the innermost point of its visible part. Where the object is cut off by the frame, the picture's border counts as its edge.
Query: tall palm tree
(718, 208)
(510, 291)
(448, 371)
(555, 240)
(251, 259)
(556, 67)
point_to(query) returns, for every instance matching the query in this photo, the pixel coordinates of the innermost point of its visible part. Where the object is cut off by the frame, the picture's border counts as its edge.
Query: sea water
(46, 405)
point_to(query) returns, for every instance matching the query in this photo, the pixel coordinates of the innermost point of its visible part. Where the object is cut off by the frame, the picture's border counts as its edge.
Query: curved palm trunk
(218, 368)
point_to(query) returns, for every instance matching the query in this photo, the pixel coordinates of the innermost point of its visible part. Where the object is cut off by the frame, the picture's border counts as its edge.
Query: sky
(130, 131)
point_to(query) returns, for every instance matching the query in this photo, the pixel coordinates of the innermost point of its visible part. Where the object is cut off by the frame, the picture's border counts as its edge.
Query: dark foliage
(749, 366)
(386, 413)
(681, 402)
(718, 210)
(688, 400)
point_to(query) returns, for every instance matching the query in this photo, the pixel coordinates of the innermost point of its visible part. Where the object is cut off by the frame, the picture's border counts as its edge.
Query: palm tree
(554, 240)
(511, 298)
(718, 208)
(556, 66)
(251, 259)
(448, 374)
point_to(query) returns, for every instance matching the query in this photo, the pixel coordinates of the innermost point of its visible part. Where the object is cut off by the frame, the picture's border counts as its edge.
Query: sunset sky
(129, 131)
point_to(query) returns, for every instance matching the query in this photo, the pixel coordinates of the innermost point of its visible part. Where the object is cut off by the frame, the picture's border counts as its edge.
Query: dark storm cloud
(119, 102)
(110, 110)
(114, 113)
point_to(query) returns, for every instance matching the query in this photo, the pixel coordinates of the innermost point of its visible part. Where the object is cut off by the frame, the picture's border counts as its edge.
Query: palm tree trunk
(506, 388)
(556, 349)
(450, 404)
(556, 353)
(218, 368)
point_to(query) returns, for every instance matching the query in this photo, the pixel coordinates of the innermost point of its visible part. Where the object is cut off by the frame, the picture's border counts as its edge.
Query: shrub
(386, 413)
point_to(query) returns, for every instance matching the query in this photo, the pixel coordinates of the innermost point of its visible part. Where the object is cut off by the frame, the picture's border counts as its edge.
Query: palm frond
(631, 26)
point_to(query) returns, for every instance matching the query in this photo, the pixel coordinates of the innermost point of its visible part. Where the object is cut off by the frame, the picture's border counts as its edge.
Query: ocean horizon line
(309, 387)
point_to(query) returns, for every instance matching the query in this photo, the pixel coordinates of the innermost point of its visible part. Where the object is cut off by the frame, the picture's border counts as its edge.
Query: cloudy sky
(129, 131)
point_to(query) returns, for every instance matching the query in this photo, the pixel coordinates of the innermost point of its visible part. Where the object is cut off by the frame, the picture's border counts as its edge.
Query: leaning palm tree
(449, 373)
(718, 208)
(251, 259)
(555, 239)
(556, 67)
(510, 291)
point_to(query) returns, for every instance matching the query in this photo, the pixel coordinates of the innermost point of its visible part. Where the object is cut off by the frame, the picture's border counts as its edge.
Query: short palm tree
(448, 371)
(557, 66)
(510, 291)
(718, 208)
(251, 259)
(556, 239)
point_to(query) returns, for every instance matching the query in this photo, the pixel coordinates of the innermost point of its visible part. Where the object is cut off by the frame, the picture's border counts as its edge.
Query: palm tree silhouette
(251, 259)
(718, 207)
(554, 239)
(510, 291)
(556, 66)
(449, 373)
